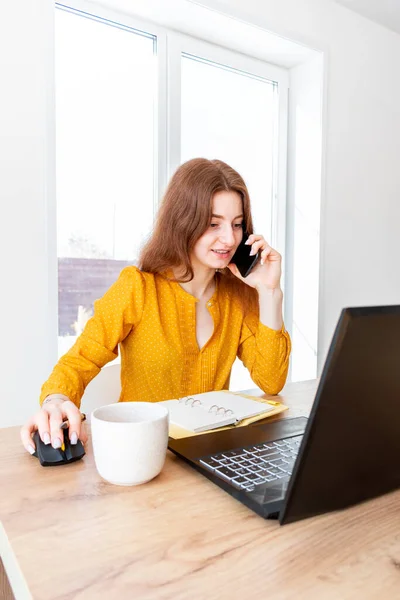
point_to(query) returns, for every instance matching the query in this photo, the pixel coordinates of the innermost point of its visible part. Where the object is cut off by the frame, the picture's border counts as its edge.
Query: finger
(265, 253)
(256, 246)
(73, 415)
(253, 237)
(43, 425)
(83, 434)
(56, 433)
(26, 432)
(270, 254)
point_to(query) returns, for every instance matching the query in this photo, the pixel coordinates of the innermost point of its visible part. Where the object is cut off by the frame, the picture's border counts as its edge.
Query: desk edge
(17, 581)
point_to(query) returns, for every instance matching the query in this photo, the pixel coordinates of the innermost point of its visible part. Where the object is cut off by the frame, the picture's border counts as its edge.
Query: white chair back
(104, 389)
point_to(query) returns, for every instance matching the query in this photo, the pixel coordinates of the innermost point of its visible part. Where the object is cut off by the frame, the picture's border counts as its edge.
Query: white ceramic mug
(129, 441)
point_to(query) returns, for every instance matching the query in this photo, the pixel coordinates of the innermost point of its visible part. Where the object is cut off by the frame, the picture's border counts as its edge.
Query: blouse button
(209, 303)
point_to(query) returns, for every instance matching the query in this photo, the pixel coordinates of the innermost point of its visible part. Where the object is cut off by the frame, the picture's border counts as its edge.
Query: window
(128, 113)
(105, 153)
(230, 115)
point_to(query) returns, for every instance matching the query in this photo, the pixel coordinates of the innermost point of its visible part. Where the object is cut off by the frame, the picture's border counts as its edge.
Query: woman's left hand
(267, 272)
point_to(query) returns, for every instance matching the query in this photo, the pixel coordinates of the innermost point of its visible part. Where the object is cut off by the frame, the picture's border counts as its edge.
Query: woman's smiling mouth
(222, 253)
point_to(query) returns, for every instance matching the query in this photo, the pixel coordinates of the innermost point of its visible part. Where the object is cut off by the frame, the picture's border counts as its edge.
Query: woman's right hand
(48, 421)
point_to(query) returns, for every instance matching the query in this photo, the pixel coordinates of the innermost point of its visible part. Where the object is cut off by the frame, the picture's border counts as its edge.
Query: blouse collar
(182, 293)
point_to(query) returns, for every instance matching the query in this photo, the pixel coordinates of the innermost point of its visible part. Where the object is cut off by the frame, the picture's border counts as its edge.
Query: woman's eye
(214, 225)
(238, 225)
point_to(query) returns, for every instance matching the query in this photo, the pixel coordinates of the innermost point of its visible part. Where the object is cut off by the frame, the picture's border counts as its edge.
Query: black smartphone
(242, 259)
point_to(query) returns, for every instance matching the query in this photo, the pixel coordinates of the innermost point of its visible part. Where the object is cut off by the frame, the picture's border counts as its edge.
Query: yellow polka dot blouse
(152, 320)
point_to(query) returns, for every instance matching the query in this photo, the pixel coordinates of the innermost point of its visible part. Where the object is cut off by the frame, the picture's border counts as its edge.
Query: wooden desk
(67, 534)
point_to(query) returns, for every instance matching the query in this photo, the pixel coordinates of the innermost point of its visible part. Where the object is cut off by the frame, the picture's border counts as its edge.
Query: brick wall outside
(80, 282)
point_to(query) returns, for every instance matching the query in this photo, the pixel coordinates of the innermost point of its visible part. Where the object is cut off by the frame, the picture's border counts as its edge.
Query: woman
(183, 316)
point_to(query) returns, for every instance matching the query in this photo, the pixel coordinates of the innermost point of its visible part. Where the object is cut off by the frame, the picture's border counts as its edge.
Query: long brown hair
(185, 214)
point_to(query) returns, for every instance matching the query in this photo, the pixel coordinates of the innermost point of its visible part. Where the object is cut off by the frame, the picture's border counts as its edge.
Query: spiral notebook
(203, 412)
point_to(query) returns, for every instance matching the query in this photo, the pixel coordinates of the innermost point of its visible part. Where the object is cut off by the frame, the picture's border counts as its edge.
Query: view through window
(228, 114)
(105, 154)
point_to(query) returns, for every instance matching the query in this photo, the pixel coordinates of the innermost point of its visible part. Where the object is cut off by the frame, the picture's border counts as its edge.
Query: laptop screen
(351, 446)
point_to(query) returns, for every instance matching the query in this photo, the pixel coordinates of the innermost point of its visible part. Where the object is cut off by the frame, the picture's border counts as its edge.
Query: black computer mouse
(52, 457)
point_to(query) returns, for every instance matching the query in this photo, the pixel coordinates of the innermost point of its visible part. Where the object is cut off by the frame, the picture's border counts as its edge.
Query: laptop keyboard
(249, 467)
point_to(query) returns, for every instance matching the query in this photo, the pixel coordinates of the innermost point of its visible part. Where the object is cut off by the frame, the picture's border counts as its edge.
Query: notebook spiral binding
(214, 409)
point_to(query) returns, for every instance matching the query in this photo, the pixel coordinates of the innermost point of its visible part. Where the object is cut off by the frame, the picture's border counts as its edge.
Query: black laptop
(346, 452)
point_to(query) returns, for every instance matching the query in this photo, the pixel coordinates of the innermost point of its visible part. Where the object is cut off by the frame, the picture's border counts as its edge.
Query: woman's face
(215, 248)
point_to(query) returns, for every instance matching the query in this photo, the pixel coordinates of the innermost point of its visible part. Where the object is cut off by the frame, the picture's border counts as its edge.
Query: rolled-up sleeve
(265, 353)
(115, 314)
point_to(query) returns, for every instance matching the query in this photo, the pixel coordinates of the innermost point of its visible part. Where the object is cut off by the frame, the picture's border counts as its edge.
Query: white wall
(360, 211)
(303, 214)
(28, 329)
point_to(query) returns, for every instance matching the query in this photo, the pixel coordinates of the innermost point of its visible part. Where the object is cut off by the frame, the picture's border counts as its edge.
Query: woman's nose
(226, 236)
